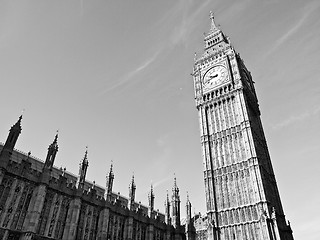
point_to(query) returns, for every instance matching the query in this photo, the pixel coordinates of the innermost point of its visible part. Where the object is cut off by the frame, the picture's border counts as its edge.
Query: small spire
(151, 201)
(52, 152)
(167, 209)
(111, 167)
(189, 209)
(109, 183)
(56, 137)
(213, 24)
(17, 125)
(83, 166)
(151, 193)
(110, 174)
(132, 193)
(85, 158)
(54, 144)
(132, 184)
(175, 186)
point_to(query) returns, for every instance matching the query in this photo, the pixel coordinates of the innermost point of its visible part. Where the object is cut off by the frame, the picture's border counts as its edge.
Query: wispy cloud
(298, 118)
(183, 14)
(188, 23)
(130, 75)
(183, 17)
(161, 181)
(307, 11)
(235, 9)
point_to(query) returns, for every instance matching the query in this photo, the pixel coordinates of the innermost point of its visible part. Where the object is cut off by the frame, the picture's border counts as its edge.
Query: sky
(115, 76)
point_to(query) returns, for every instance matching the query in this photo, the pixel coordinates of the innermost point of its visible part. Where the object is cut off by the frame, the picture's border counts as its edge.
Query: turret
(190, 229)
(175, 204)
(188, 210)
(51, 155)
(167, 210)
(83, 166)
(8, 147)
(151, 202)
(109, 184)
(132, 193)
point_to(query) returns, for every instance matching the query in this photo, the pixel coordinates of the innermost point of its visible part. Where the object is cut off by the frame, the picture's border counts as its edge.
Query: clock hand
(214, 76)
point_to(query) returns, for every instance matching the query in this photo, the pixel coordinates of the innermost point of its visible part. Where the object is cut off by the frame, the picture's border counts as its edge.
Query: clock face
(215, 76)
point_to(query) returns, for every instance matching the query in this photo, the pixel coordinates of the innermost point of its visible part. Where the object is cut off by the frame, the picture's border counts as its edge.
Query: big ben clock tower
(242, 197)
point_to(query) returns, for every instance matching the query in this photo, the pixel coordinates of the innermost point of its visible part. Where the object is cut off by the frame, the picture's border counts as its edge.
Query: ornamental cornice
(206, 100)
(235, 167)
(241, 206)
(206, 57)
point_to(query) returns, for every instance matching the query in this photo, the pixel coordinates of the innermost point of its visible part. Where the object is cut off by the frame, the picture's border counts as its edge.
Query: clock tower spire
(213, 24)
(242, 197)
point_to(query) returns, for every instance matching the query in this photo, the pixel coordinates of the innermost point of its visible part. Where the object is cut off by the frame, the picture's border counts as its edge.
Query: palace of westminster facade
(40, 201)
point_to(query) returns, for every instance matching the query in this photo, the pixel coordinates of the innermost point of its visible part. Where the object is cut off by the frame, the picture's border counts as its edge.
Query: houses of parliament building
(40, 202)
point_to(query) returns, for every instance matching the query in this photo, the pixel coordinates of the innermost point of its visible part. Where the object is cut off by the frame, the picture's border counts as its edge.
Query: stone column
(102, 232)
(32, 219)
(190, 232)
(265, 226)
(11, 206)
(274, 224)
(212, 232)
(8, 201)
(150, 232)
(129, 229)
(2, 173)
(168, 233)
(70, 230)
(26, 236)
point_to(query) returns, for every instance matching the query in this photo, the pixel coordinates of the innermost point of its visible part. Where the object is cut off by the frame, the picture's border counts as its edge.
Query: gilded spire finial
(213, 24)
